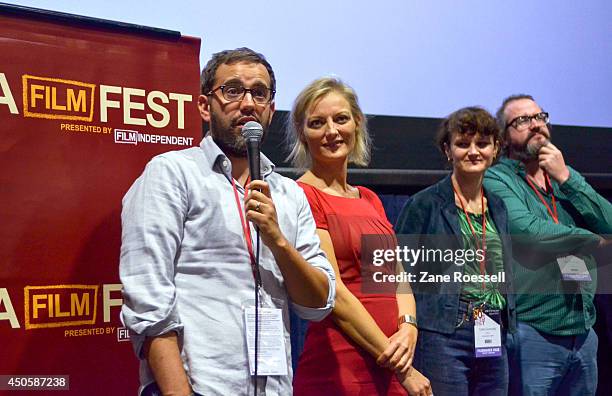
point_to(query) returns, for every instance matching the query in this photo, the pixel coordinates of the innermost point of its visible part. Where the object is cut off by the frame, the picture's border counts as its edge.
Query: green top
(494, 263)
(543, 299)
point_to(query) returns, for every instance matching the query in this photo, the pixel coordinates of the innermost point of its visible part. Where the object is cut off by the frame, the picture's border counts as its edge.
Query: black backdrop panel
(405, 158)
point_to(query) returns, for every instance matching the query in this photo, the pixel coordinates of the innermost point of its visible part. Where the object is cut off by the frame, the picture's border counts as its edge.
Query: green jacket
(544, 300)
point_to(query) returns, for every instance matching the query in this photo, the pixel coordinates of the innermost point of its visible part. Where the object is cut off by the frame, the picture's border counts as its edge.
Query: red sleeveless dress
(331, 363)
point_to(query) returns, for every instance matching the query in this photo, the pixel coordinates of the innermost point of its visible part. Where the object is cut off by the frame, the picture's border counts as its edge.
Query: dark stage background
(405, 160)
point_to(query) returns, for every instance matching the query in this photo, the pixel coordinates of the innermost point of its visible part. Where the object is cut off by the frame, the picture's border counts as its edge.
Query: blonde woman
(368, 342)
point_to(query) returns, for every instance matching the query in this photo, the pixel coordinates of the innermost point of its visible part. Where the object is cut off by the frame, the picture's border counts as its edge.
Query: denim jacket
(433, 212)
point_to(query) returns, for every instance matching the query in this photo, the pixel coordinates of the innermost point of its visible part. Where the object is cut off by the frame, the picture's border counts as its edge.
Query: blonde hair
(296, 142)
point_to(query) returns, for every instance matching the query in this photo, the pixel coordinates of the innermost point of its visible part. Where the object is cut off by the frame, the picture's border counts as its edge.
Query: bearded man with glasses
(190, 261)
(556, 219)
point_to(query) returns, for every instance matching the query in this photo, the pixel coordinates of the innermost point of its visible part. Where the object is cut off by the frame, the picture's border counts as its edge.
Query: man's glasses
(522, 122)
(235, 93)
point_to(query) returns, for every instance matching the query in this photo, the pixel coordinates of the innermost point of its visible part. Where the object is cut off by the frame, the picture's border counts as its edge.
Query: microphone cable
(257, 290)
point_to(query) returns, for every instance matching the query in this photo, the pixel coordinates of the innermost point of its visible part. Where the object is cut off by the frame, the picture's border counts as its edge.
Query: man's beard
(529, 150)
(232, 144)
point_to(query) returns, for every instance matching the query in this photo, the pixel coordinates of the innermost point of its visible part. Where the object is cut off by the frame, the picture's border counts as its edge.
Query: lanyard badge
(272, 355)
(573, 268)
(487, 333)
(264, 322)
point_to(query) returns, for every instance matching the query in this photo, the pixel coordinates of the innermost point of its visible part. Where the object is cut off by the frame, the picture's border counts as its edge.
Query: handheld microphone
(252, 133)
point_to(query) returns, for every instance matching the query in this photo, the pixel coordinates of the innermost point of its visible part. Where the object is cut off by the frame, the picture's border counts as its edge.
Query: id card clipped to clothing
(573, 269)
(487, 333)
(272, 352)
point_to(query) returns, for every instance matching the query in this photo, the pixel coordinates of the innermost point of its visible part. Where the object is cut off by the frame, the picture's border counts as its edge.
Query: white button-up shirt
(185, 266)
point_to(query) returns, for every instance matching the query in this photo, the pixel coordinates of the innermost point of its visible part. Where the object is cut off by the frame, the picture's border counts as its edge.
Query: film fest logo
(58, 99)
(58, 306)
(74, 103)
(67, 306)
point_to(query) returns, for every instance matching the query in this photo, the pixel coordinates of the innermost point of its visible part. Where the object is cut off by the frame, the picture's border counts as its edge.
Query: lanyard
(246, 231)
(553, 211)
(483, 244)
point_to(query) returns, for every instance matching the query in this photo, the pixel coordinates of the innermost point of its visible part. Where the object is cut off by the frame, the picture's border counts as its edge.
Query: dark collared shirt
(544, 300)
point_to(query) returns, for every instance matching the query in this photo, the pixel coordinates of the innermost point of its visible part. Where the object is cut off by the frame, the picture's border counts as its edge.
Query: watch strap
(407, 319)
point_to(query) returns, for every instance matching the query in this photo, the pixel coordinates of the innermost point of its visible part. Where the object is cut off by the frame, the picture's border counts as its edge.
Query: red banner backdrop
(83, 107)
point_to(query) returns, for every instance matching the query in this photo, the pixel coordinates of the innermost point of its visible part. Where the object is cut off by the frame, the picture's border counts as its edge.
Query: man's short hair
(230, 57)
(468, 120)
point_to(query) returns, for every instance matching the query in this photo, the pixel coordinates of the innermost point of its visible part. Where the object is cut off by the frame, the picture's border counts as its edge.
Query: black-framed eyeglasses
(523, 121)
(235, 93)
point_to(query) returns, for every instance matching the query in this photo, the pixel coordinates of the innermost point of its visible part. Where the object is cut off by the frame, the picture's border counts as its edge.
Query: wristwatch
(407, 319)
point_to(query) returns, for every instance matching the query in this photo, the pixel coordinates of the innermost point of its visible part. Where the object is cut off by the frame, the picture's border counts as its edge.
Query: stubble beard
(231, 143)
(529, 151)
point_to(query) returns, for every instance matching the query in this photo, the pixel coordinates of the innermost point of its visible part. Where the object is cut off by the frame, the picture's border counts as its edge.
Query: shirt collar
(215, 157)
(516, 165)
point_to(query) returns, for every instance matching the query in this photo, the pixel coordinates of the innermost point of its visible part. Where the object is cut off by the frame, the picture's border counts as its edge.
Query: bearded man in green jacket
(556, 219)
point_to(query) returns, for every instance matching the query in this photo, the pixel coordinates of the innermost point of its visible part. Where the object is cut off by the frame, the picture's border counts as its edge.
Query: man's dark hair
(230, 57)
(468, 120)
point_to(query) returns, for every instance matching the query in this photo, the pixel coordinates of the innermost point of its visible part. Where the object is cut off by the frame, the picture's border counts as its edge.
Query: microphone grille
(252, 130)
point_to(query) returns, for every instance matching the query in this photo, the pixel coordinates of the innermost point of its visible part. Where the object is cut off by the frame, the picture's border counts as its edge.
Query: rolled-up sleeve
(152, 227)
(308, 244)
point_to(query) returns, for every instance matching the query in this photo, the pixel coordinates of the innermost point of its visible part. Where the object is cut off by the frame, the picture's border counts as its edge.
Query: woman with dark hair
(370, 336)
(463, 322)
